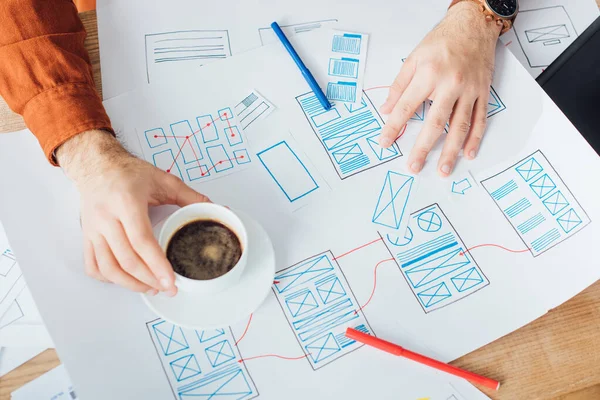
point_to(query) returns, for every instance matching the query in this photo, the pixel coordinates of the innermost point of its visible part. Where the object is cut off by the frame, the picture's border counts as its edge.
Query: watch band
(490, 15)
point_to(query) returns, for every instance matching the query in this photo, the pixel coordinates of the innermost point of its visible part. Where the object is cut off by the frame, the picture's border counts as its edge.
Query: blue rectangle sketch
(537, 203)
(219, 158)
(344, 67)
(431, 256)
(390, 209)
(207, 127)
(346, 43)
(165, 160)
(342, 91)
(349, 134)
(234, 137)
(201, 363)
(198, 172)
(187, 141)
(287, 170)
(241, 156)
(319, 305)
(155, 137)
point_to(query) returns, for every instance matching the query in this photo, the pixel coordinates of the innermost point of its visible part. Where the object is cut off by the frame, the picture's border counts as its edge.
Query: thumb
(183, 195)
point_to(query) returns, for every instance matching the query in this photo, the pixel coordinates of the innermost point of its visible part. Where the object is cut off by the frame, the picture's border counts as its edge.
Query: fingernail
(165, 283)
(472, 154)
(416, 166)
(171, 292)
(445, 169)
(152, 292)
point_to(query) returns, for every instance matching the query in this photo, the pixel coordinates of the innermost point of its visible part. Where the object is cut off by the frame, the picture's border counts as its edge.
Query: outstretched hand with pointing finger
(452, 67)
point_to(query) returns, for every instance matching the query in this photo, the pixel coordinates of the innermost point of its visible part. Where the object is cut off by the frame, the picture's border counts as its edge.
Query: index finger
(138, 228)
(413, 96)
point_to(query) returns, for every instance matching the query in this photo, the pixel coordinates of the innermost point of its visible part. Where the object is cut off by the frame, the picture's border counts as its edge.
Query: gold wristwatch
(502, 12)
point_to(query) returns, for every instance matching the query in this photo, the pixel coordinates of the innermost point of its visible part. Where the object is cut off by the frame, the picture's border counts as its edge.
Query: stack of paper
(22, 331)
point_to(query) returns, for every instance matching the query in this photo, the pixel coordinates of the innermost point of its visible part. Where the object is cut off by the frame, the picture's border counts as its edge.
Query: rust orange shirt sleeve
(45, 71)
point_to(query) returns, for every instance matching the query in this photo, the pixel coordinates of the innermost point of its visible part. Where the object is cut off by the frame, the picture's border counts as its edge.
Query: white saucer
(217, 310)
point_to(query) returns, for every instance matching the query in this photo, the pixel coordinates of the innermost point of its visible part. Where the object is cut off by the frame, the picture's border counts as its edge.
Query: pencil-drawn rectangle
(547, 33)
(164, 51)
(342, 91)
(325, 117)
(347, 132)
(346, 43)
(7, 262)
(165, 160)
(219, 158)
(201, 364)
(241, 156)
(234, 137)
(253, 107)
(155, 137)
(537, 203)
(198, 172)
(544, 33)
(288, 171)
(319, 305)
(186, 140)
(432, 259)
(267, 36)
(344, 67)
(208, 129)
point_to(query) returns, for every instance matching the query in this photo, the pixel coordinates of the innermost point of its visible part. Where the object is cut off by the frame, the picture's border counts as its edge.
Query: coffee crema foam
(203, 250)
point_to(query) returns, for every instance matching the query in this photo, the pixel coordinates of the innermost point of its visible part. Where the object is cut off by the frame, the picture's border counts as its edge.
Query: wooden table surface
(555, 357)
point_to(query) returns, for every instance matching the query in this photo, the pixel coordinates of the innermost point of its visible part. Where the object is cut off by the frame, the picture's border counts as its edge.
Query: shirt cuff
(56, 115)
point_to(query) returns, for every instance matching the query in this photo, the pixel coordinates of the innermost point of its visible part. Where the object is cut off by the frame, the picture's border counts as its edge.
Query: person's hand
(453, 67)
(116, 190)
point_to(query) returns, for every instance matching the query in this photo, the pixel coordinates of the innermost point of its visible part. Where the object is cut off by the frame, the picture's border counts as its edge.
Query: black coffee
(204, 249)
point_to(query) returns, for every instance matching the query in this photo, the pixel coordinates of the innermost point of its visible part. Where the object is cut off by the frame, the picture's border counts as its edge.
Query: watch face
(504, 8)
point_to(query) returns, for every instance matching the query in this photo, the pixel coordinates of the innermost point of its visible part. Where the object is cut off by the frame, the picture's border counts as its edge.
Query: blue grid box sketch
(319, 305)
(219, 158)
(537, 203)
(208, 129)
(201, 363)
(234, 137)
(241, 156)
(165, 160)
(225, 114)
(346, 43)
(344, 67)
(342, 91)
(198, 172)
(348, 134)
(431, 258)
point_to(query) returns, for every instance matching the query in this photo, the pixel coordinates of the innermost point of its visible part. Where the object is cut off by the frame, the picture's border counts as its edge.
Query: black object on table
(573, 82)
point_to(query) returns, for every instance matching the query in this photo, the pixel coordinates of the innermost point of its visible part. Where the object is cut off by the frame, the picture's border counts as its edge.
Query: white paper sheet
(444, 316)
(20, 322)
(545, 28)
(14, 357)
(53, 385)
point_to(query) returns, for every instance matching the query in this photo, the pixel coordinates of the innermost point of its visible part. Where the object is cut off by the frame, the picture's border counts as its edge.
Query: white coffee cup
(207, 211)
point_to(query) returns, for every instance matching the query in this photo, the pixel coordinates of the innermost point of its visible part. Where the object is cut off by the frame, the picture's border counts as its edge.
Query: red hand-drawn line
(357, 248)
(228, 124)
(507, 44)
(187, 140)
(273, 355)
(245, 330)
(462, 253)
(377, 87)
(374, 283)
(221, 162)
